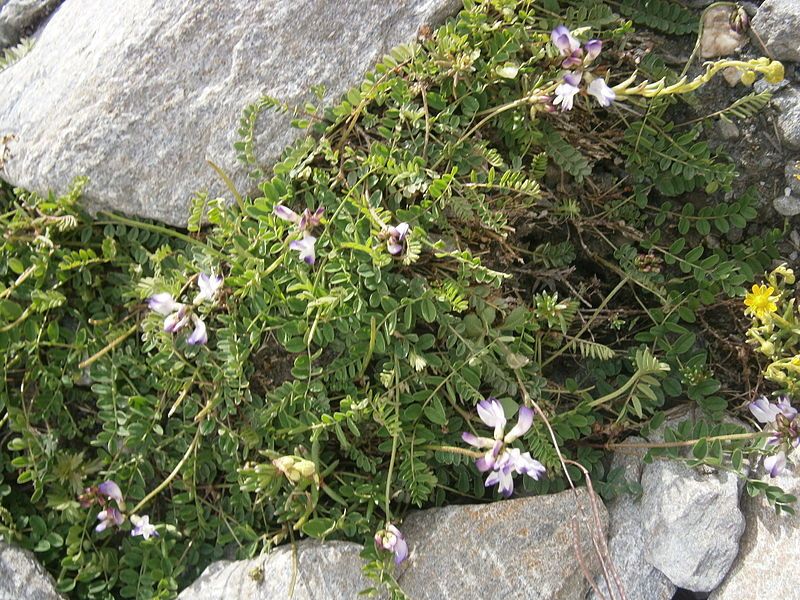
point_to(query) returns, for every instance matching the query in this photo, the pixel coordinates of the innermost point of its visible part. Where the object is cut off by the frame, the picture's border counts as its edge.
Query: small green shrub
(552, 257)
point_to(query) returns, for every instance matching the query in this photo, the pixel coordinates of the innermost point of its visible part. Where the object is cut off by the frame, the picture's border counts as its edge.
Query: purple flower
(786, 409)
(310, 220)
(503, 462)
(593, 48)
(109, 516)
(764, 411)
(397, 237)
(305, 247)
(564, 41)
(511, 462)
(565, 92)
(110, 490)
(573, 60)
(177, 320)
(601, 92)
(163, 303)
(199, 335)
(209, 286)
(392, 540)
(304, 222)
(287, 214)
(142, 527)
(775, 464)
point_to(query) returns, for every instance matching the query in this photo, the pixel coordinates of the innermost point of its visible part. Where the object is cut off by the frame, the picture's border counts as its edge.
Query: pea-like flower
(503, 461)
(570, 48)
(601, 92)
(143, 527)
(175, 313)
(565, 92)
(593, 49)
(304, 223)
(783, 416)
(392, 540)
(200, 334)
(111, 491)
(305, 247)
(209, 286)
(295, 468)
(109, 517)
(396, 238)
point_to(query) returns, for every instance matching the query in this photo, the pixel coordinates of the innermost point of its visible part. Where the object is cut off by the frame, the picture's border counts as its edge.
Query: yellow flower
(760, 302)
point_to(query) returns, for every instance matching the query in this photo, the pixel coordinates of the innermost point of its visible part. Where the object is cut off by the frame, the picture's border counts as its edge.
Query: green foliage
(11, 55)
(535, 270)
(666, 16)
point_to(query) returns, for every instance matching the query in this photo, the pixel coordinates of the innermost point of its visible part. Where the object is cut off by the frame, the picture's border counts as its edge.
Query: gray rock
(788, 121)
(138, 96)
(517, 549)
(324, 571)
(787, 205)
(626, 539)
(769, 549)
(776, 23)
(692, 523)
(17, 17)
(21, 576)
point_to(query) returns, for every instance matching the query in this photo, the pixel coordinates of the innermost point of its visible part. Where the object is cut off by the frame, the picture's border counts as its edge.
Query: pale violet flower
(175, 313)
(786, 435)
(111, 491)
(305, 221)
(109, 516)
(392, 539)
(775, 464)
(305, 247)
(396, 241)
(565, 92)
(593, 48)
(503, 461)
(766, 412)
(601, 92)
(209, 286)
(143, 527)
(163, 303)
(564, 40)
(199, 335)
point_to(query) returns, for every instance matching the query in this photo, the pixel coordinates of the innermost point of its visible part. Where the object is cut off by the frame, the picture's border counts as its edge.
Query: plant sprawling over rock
(501, 218)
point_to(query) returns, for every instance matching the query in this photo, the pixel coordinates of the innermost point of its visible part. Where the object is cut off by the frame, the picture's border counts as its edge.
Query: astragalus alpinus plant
(492, 224)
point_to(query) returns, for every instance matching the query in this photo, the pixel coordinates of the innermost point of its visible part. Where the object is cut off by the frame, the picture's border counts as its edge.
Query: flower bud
(767, 348)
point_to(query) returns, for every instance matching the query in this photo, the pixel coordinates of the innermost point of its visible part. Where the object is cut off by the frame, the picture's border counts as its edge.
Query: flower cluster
(114, 516)
(576, 56)
(392, 540)
(775, 321)
(502, 461)
(303, 225)
(178, 315)
(294, 468)
(783, 416)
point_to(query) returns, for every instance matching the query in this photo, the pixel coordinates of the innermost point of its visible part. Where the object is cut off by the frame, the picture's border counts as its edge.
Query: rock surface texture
(324, 570)
(18, 16)
(777, 24)
(21, 576)
(138, 95)
(521, 549)
(770, 548)
(627, 542)
(788, 104)
(692, 523)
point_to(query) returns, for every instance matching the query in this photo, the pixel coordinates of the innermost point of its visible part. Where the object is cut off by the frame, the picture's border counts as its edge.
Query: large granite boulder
(21, 576)
(523, 549)
(137, 94)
